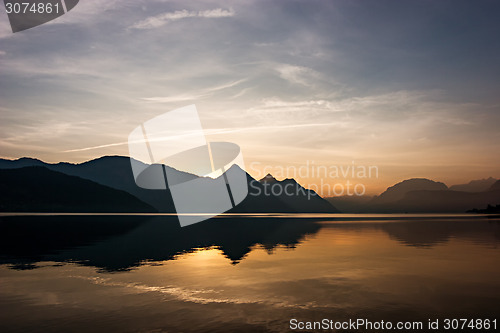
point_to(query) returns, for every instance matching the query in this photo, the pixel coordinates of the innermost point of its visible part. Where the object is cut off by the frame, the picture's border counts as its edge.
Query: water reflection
(243, 274)
(426, 232)
(115, 243)
(118, 243)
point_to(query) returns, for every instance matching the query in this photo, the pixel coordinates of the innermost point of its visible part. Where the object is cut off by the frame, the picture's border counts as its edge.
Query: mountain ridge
(410, 195)
(115, 172)
(427, 196)
(478, 185)
(399, 190)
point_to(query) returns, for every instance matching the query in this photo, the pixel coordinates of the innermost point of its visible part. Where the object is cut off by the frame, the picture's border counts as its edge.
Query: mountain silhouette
(490, 209)
(495, 186)
(38, 189)
(399, 190)
(294, 195)
(111, 171)
(262, 198)
(269, 195)
(444, 201)
(20, 163)
(116, 172)
(255, 201)
(480, 185)
(420, 195)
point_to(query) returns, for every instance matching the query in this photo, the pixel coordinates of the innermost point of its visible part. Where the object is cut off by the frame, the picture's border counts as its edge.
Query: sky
(409, 87)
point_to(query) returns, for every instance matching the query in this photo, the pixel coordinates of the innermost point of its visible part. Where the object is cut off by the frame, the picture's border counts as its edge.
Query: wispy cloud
(212, 131)
(356, 74)
(276, 104)
(192, 97)
(174, 98)
(298, 74)
(226, 85)
(162, 19)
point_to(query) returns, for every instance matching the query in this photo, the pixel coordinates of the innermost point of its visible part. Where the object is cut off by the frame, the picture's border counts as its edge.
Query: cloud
(190, 97)
(226, 86)
(368, 83)
(216, 13)
(298, 74)
(212, 131)
(176, 98)
(279, 104)
(162, 19)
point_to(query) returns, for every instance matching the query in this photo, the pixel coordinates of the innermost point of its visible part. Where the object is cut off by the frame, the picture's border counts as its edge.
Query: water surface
(143, 273)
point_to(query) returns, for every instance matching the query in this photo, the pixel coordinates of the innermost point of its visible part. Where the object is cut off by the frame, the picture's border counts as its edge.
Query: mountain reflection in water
(243, 273)
(117, 243)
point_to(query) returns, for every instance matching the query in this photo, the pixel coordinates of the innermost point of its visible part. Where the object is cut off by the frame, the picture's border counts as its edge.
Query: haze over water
(246, 273)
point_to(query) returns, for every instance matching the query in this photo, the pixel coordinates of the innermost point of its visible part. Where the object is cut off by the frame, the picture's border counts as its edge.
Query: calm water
(243, 273)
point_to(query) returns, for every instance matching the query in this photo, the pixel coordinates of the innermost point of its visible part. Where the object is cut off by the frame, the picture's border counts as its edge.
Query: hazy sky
(411, 87)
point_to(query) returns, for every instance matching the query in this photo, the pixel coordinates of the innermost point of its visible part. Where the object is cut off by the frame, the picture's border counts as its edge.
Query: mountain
(255, 201)
(444, 201)
(495, 186)
(294, 195)
(116, 172)
(420, 195)
(264, 198)
(480, 185)
(20, 163)
(111, 171)
(399, 190)
(37, 189)
(427, 196)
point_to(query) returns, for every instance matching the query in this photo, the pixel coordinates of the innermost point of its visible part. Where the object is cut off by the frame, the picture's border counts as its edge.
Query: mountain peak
(20, 163)
(268, 179)
(478, 185)
(28, 159)
(235, 168)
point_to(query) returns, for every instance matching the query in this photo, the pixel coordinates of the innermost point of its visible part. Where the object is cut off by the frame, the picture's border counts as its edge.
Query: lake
(250, 273)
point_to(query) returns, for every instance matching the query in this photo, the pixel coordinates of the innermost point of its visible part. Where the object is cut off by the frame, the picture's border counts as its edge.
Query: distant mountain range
(107, 178)
(420, 195)
(113, 174)
(480, 185)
